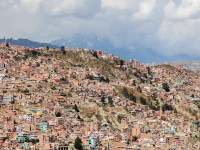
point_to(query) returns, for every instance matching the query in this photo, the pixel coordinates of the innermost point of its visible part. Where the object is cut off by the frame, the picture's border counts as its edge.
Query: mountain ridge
(91, 41)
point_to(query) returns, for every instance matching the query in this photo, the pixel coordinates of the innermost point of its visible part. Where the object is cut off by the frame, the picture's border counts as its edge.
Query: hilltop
(51, 96)
(92, 41)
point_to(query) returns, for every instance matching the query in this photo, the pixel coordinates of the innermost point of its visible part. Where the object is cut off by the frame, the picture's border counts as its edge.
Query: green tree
(7, 44)
(14, 122)
(58, 114)
(95, 54)
(166, 87)
(143, 101)
(175, 111)
(107, 80)
(26, 91)
(132, 97)
(135, 138)
(167, 107)
(103, 99)
(139, 89)
(110, 100)
(121, 63)
(62, 48)
(35, 53)
(102, 79)
(76, 108)
(78, 144)
(34, 141)
(64, 52)
(125, 92)
(53, 88)
(47, 47)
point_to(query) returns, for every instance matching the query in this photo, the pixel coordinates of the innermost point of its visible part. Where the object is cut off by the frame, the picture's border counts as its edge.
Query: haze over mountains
(91, 41)
(25, 42)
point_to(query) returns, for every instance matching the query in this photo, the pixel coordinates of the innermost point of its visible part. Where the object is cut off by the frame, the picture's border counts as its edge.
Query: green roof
(178, 83)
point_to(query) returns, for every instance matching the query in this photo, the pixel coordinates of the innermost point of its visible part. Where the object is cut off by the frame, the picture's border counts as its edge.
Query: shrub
(76, 108)
(166, 87)
(167, 107)
(26, 91)
(35, 53)
(125, 92)
(132, 97)
(58, 114)
(143, 101)
(78, 144)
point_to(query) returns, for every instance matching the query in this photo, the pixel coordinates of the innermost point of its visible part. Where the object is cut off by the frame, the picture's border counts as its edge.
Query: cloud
(118, 4)
(170, 27)
(185, 10)
(74, 8)
(145, 9)
(30, 6)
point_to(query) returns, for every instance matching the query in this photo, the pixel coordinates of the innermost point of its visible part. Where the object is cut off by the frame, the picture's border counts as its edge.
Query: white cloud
(145, 9)
(118, 4)
(186, 9)
(170, 27)
(180, 36)
(77, 8)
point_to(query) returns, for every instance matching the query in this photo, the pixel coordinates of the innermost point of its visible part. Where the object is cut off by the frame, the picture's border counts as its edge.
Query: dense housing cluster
(65, 98)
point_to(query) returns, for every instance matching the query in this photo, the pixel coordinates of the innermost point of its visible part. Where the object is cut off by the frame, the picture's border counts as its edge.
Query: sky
(170, 27)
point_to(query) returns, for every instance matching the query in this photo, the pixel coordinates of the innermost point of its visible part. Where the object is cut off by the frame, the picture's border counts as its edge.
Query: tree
(53, 88)
(78, 117)
(26, 91)
(78, 144)
(64, 52)
(35, 53)
(145, 75)
(95, 54)
(110, 101)
(102, 79)
(14, 122)
(148, 70)
(121, 63)
(103, 99)
(76, 108)
(128, 142)
(139, 89)
(135, 138)
(34, 141)
(47, 47)
(125, 92)
(62, 48)
(166, 87)
(107, 80)
(167, 107)
(58, 114)
(132, 97)
(143, 101)
(7, 44)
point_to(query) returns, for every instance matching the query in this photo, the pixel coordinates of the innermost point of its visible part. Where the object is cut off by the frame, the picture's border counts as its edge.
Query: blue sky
(170, 27)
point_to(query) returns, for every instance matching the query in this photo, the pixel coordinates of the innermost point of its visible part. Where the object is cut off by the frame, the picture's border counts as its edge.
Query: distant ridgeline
(27, 42)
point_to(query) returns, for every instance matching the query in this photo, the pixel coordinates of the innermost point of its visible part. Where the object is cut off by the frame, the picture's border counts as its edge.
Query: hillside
(64, 93)
(27, 43)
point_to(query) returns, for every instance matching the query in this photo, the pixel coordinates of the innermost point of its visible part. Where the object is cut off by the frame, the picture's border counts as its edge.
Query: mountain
(91, 41)
(188, 64)
(26, 42)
